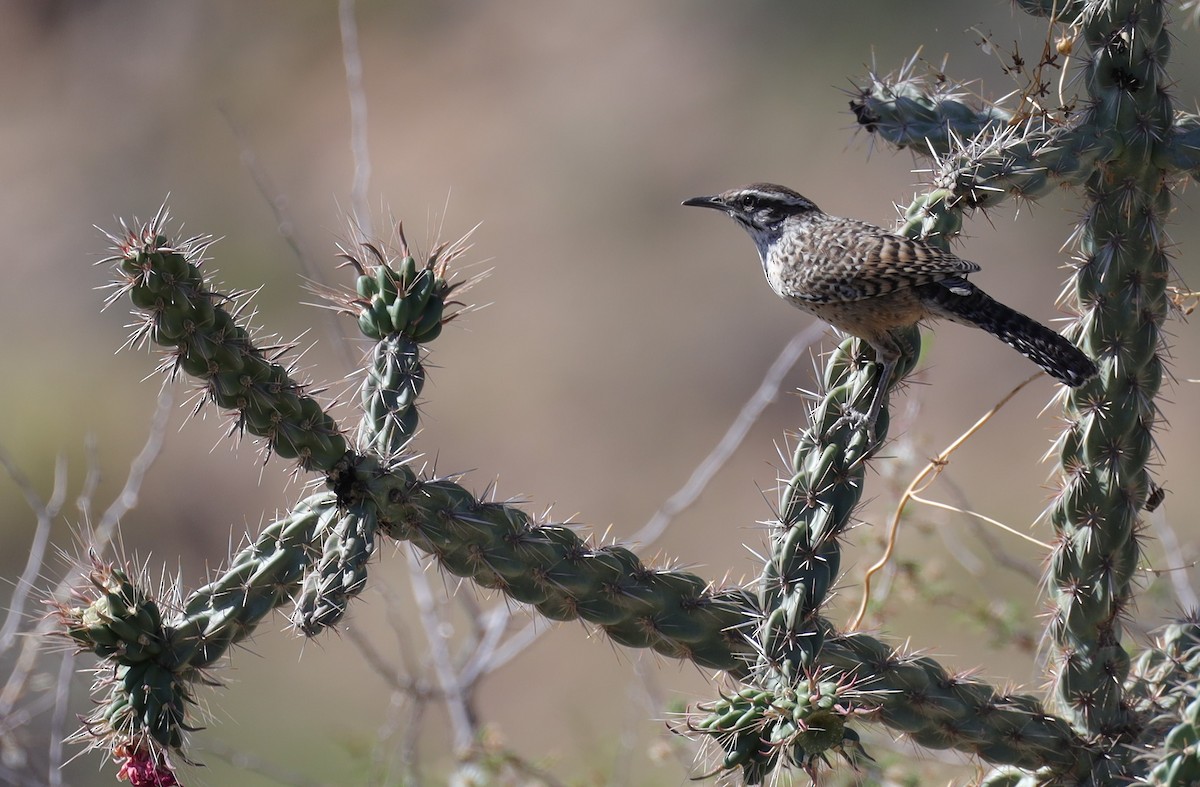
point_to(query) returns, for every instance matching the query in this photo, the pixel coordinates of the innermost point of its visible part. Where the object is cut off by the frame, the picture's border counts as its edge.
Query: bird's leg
(887, 366)
(886, 359)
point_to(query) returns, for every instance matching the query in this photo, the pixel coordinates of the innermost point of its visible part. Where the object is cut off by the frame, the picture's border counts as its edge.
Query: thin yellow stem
(919, 484)
(988, 519)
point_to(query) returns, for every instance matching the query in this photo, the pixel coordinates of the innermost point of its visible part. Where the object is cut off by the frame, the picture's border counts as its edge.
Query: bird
(873, 284)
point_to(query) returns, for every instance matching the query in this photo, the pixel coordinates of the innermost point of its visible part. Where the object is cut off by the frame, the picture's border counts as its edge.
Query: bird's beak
(706, 202)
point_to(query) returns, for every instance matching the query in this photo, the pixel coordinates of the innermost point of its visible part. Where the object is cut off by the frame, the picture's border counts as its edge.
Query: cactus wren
(871, 283)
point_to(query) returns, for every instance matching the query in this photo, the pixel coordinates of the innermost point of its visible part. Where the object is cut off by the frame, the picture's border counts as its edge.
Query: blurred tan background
(623, 332)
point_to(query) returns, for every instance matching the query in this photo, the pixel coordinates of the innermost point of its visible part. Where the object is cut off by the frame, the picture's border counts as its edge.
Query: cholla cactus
(1123, 146)
(155, 646)
(806, 685)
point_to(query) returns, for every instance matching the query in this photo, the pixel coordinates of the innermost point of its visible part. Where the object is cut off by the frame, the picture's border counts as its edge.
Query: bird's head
(761, 209)
(760, 206)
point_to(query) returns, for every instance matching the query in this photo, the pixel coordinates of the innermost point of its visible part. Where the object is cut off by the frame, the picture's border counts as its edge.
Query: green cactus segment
(936, 217)
(389, 395)
(984, 156)
(145, 692)
(1164, 689)
(552, 569)
(1117, 148)
(154, 659)
(758, 730)
(1167, 674)
(341, 572)
(146, 700)
(1025, 161)
(1179, 761)
(142, 693)
(401, 304)
(927, 117)
(915, 696)
(179, 311)
(120, 618)
(399, 297)
(260, 578)
(1121, 285)
(815, 509)
(1184, 146)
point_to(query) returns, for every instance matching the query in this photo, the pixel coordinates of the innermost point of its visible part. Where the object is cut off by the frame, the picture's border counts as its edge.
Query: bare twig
(46, 512)
(253, 763)
(383, 668)
(58, 721)
(996, 552)
(352, 60)
(95, 540)
(481, 659)
(1185, 594)
(99, 537)
(766, 393)
(408, 752)
(277, 202)
(458, 705)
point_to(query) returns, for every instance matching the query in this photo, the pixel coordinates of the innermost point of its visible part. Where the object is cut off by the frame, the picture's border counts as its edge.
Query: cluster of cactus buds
(119, 621)
(400, 297)
(399, 302)
(118, 618)
(756, 728)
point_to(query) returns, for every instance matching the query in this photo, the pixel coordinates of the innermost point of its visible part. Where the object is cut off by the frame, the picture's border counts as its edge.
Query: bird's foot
(860, 421)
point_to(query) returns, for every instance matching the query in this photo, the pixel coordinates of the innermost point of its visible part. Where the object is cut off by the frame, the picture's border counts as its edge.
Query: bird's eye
(749, 202)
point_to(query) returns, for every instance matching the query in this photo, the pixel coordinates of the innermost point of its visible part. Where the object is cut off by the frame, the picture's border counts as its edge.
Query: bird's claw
(860, 421)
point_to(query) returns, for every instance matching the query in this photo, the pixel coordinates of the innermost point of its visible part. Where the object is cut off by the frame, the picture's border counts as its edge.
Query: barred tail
(959, 300)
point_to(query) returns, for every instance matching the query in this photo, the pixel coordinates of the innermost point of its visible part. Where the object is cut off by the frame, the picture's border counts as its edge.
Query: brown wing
(848, 260)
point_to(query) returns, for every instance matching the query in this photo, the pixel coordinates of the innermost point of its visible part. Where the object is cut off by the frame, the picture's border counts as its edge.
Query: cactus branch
(924, 115)
(1121, 285)
(178, 310)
